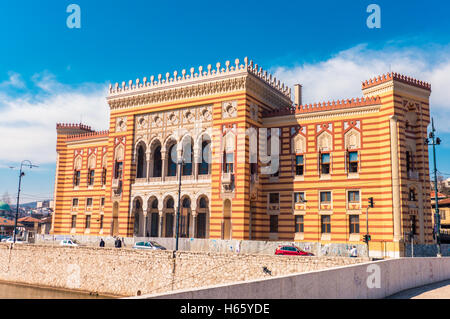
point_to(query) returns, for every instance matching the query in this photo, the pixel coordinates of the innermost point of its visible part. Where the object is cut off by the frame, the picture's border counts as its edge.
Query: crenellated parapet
(93, 134)
(208, 73)
(72, 128)
(397, 77)
(325, 106)
(200, 82)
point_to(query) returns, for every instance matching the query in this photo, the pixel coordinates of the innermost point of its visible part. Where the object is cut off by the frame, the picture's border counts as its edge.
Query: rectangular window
(299, 197)
(413, 224)
(76, 178)
(88, 221)
(299, 224)
(101, 221)
(118, 170)
(353, 196)
(353, 162)
(229, 161)
(274, 198)
(325, 163)
(74, 221)
(104, 171)
(75, 202)
(354, 224)
(273, 224)
(325, 224)
(91, 177)
(325, 197)
(299, 165)
(89, 202)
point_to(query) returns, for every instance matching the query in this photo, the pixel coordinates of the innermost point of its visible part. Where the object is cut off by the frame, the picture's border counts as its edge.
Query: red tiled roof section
(398, 77)
(29, 219)
(445, 201)
(440, 195)
(8, 222)
(325, 106)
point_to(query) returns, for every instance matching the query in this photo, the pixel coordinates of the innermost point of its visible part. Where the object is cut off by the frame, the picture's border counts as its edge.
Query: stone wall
(129, 272)
(215, 245)
(378, 279)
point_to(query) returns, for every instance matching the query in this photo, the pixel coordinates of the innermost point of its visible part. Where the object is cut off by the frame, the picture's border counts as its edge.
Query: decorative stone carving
(254, 112)
(229, 109)
(299, 144)
(352, 139)
(324, 142)
(78, 162)
(121, 124)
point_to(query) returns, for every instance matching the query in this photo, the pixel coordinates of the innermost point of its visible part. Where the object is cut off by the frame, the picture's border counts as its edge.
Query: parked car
(68, 242)
(11, 240)
(291, 250)
(148, 245)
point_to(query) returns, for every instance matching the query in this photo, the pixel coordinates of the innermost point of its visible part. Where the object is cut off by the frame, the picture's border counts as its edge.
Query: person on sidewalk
(354, 252)
(102, 242)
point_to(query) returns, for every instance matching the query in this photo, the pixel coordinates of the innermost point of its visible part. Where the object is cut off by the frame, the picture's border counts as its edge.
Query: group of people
(117, 242)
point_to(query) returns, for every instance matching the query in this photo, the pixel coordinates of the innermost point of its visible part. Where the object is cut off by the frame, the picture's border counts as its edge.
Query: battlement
(203, 74)
(398, 77)
(88, 135)
(72, 126)
(324, 106)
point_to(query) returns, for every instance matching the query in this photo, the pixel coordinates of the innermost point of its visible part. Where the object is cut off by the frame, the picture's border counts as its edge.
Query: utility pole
(437, 219)
(367, 237)
(21, 174)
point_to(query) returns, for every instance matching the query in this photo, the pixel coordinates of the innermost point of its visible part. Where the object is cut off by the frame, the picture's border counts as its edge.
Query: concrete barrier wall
(125, 272)
(368, 280)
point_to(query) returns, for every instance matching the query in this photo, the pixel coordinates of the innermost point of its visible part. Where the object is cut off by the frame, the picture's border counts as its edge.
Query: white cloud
(340, 77)
(28, 121)
(14, 81)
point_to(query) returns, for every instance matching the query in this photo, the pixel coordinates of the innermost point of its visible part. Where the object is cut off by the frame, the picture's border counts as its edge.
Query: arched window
(157, 162)
(170, 203)
(172, 165)
(203, 203)
(188, 157)
(203, 166)
(141, 162)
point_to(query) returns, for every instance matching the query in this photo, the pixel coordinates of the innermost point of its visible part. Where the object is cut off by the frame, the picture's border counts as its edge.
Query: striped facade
(333, 157)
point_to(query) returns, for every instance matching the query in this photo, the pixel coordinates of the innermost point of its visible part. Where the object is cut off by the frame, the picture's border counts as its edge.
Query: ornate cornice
(231, 79)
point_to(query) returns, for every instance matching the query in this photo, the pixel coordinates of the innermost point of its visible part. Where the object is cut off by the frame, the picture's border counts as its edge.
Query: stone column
(149, 164)
(197, 161)
(160, 221)
(164, 165)
(395, 178)
(193, 225)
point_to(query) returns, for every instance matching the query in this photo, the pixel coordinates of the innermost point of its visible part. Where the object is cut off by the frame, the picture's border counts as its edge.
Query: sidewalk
(440, 290)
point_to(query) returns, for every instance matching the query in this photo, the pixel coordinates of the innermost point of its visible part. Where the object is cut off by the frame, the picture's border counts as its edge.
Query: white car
(11, 240)
(68, 242)
(148, 245)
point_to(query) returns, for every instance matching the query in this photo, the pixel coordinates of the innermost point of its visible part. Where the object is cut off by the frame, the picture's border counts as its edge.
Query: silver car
(148, 245)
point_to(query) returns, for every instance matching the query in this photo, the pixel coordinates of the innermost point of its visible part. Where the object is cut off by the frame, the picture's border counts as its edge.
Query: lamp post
(437, 223)
(180, 163)
(21, 174)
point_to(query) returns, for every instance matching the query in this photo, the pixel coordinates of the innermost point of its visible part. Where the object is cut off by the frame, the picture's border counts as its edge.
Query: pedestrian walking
(119, 242)
(354, 252)
(102, 242)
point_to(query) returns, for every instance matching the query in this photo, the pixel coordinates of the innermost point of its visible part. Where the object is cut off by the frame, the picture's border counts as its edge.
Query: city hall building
(331, 157)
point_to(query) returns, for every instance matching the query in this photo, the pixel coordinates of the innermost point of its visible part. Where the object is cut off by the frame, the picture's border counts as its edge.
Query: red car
(291, 250)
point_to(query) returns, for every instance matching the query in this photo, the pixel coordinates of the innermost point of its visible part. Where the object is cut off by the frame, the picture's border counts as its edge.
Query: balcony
(204, 177)
(300, 206)
(228, 181)
(140, 180)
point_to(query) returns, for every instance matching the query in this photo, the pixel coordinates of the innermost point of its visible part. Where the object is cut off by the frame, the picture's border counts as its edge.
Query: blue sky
(50, 73)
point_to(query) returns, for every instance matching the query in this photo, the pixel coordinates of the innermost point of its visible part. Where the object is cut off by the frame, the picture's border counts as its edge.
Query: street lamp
(21, 174)
(180, 162)
(437, 223)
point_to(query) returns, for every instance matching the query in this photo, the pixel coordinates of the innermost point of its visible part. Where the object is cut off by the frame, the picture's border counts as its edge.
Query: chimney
(298, 94)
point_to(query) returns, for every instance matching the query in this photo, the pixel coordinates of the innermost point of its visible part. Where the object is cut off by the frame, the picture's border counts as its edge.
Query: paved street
(440, 290)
